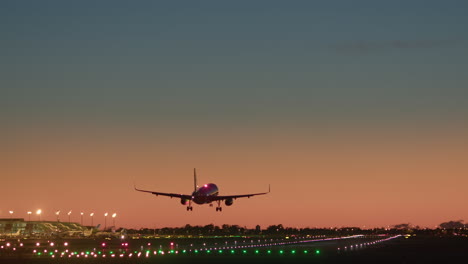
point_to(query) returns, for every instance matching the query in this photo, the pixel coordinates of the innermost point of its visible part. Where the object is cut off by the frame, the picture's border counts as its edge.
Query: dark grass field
(412, 250)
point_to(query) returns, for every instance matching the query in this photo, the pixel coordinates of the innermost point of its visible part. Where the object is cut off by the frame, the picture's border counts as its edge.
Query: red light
(103, 244)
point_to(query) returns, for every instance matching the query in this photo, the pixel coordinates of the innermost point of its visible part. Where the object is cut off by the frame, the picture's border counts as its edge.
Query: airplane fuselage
(205, 194)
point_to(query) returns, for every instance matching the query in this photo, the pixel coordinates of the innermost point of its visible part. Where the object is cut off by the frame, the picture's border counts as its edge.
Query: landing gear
(219, 208)
(189, 208)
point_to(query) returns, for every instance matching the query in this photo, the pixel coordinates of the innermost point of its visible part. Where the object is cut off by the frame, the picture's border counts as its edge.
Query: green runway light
(172, 252)
(293, 251)
(281, 251)
(147, 251)
(256, 251)
(196, 251)
(244, 251)
(39, 253)
(112, 252)
(184, 251)
(50, 253)
(317, 251)
(232, 252)
(99, 252)
(305, 251)
(220, 251)
(87, 252)
(269, 251)
(208, 251)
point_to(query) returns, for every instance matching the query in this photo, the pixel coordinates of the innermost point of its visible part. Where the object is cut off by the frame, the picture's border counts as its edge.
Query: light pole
(105, 221)
(11, 214)
(29, 215)
(113, 219)
(91, 214)
(39, 212)
(57, 214)
(69, 213)
(81, 218)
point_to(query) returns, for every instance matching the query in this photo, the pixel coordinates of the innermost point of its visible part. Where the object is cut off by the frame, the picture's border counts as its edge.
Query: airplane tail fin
(195, 179)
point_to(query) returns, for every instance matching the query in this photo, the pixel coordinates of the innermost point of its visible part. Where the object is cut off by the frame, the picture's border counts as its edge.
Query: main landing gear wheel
(219, 208)
(189, 208)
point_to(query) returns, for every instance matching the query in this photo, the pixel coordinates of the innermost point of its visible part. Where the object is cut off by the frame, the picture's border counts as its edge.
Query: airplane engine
(229, 202)
(184, 201)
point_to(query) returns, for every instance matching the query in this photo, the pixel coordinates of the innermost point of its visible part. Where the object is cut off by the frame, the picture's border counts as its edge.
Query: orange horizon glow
(374, 179)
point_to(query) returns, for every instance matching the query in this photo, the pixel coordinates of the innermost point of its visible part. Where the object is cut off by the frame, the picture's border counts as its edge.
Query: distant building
(17, 227)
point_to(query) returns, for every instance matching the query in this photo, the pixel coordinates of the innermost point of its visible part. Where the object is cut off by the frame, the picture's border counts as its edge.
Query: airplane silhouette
(205, 194)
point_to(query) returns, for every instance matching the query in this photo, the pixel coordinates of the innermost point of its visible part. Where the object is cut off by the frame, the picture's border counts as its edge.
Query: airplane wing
(185, 196)
(224, 197)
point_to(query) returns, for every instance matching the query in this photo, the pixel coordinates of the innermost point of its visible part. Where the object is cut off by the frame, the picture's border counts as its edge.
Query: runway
(318, 249)
(207, 249)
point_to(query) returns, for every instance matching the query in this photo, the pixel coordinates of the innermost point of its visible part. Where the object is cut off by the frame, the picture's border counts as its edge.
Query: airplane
(111, 234)
(75, 233)
(205, 194)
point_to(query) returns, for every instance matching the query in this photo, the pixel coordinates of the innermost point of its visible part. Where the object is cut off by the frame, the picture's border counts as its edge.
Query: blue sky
(234, 60)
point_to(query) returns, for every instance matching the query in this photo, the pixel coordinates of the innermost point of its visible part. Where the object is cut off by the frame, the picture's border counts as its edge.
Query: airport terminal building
(18, 227)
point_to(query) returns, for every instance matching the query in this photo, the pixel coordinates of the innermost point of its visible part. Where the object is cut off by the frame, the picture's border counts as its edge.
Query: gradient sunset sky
(356, 112)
